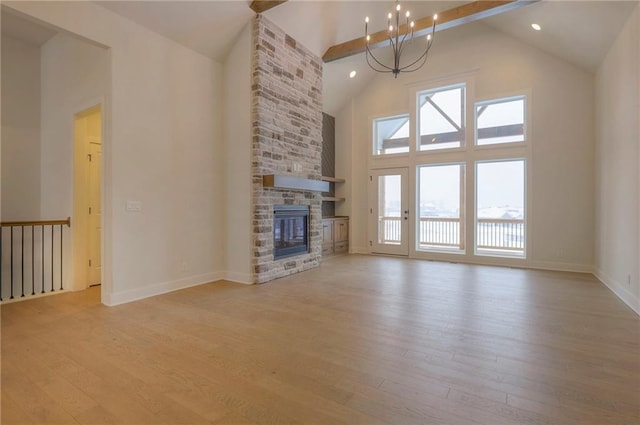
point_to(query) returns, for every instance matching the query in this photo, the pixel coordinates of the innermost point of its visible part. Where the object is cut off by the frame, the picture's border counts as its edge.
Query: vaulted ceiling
(578, 31)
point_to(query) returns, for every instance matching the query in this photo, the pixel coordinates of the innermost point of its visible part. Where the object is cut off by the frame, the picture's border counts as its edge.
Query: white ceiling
(578, 31)
(581, 32)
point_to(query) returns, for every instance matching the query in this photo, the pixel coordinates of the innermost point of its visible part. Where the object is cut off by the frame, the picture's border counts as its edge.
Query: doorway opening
(87, 198)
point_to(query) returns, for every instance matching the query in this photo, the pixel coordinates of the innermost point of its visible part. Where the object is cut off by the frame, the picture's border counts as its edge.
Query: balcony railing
(500, 234)
(390, 230)
(441, 232)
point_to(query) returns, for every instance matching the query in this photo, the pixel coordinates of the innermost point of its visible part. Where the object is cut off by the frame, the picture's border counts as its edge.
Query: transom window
(391, 135)
(441, 118)
(500, 121)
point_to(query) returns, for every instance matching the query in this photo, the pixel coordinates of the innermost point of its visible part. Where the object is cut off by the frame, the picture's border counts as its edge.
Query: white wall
(617, 162)
(20, 130)
(162, 147)
(344, 160)
(75, 76)
(237, 159)
(561, 219)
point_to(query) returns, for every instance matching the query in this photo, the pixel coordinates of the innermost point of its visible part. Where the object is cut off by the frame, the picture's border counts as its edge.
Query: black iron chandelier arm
(424, 54)
(402, 45)
(370, 53)
(422, 57)
(406, 68)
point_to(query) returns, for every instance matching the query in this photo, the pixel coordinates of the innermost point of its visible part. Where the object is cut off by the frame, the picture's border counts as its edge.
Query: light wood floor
(360, 340)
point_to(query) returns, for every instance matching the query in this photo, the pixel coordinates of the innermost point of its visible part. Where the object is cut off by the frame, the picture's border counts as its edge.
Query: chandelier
(397, 38)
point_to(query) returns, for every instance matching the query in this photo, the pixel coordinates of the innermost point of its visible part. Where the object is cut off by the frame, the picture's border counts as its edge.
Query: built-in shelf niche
(330, 198)
(332, 179)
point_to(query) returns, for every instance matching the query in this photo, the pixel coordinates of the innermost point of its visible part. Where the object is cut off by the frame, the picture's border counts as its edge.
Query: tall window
(468, 193)
(441, 115)
(500, 207)
(440, 192)
(500, 121)
(391, 135)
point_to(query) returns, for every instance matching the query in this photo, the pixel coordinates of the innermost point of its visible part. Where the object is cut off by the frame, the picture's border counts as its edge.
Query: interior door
(95, 214)
(389, 211)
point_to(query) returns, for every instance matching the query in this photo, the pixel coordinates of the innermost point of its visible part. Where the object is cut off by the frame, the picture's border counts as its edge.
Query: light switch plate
(134, 206)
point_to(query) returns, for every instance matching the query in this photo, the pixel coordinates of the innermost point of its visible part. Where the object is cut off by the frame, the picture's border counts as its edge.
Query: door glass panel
(440, 224)
(389, 209)
(500, 208)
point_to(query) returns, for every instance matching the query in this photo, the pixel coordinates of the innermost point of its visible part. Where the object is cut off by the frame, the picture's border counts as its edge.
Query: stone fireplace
(286, 140)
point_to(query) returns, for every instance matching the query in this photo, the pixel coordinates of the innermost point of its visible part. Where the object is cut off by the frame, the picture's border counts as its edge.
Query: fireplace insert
(290, 230)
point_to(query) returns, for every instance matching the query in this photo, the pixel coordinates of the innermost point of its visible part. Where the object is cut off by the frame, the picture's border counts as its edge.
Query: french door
(389, 211)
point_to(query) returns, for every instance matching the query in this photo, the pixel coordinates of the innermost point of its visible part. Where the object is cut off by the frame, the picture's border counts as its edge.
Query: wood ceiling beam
(260, 6)
(450, 18)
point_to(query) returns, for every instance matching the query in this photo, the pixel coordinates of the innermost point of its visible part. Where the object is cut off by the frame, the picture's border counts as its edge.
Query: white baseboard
(561, 267)
(619, 289)
(159, 288)
(245, 278)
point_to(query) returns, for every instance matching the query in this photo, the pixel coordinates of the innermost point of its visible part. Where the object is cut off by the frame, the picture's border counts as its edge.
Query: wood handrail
(36, 223)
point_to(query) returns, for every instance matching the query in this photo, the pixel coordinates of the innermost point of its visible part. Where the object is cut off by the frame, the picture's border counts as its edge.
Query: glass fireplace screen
(290, 230)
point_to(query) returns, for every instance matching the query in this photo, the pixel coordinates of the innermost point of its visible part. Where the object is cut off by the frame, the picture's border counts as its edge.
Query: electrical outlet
(134, 206)
(184, 266)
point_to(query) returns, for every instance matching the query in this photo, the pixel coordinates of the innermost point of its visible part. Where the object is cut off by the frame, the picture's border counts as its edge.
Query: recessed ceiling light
(536, 27)
(352, 74)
